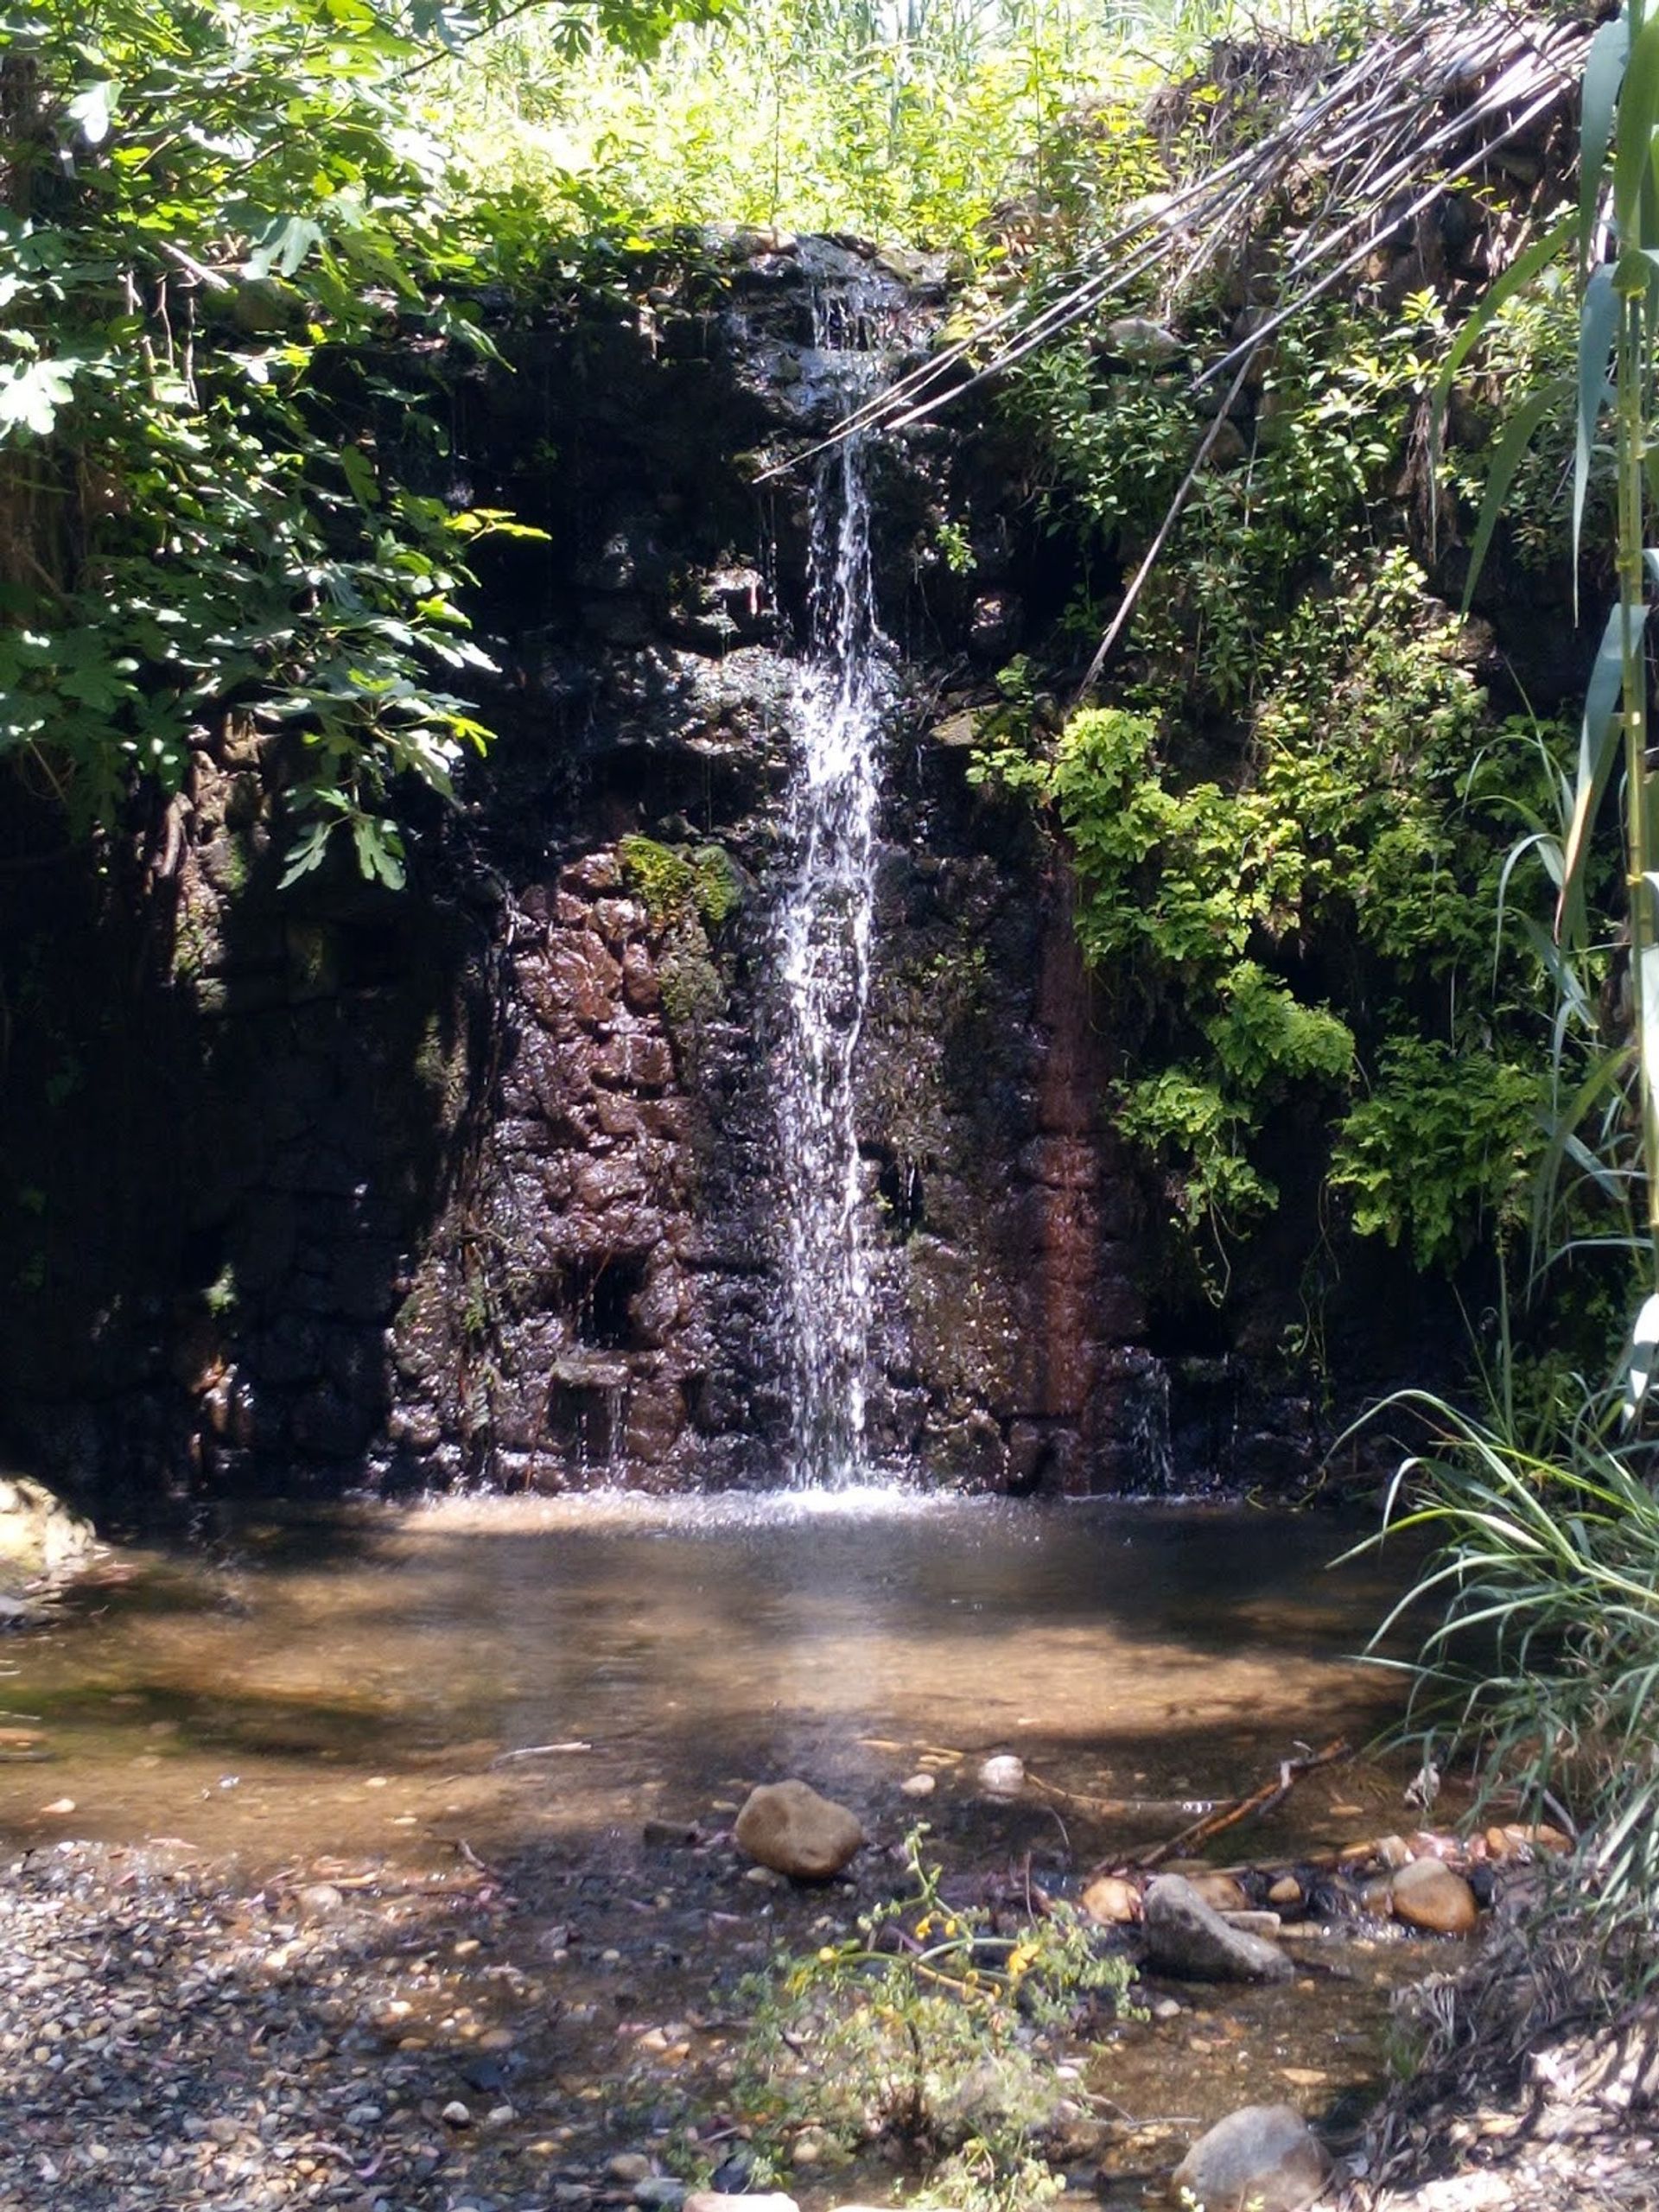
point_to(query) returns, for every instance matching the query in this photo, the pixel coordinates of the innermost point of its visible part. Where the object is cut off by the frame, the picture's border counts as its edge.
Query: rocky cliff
(479, 1182)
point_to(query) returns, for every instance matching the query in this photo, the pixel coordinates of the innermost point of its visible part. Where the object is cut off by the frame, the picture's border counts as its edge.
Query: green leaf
(90, 110)
(1597, 322)
(34, 393)
(1604, 73)
(1638, 109)
(1597, 749)
(1518, 435)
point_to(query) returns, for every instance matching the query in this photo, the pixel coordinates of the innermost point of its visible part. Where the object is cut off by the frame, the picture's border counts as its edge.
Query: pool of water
(362, 1682)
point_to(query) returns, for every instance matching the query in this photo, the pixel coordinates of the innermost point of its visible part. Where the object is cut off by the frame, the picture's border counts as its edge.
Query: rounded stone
(787, 1827)
(1429, 1895)
(1265, 2157)
(1002, 1776)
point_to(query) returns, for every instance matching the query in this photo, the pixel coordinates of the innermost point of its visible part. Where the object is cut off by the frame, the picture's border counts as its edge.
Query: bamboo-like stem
(1630, 369)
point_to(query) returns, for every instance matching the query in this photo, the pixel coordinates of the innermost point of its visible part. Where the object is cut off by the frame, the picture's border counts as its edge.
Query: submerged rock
(787, 1827)
(1265, 2156)
(1186, 1936)
(39, 1533)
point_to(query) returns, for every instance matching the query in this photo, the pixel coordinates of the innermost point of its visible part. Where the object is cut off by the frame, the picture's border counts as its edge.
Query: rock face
(1183, 1936)
(1429, 1894)
(478, 1183)
(788, 1827)
(39, 1533)
(1263, 2159)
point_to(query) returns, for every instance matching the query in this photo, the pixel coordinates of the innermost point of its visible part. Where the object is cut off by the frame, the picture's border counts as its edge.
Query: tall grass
(1544, 1657)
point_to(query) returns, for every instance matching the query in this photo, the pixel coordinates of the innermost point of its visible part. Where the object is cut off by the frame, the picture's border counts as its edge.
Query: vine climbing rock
(788, 1827)
(1265, 2157)
(39, 1533)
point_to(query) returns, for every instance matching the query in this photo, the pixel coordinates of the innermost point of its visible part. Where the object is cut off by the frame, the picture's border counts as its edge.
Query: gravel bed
(170, 2043)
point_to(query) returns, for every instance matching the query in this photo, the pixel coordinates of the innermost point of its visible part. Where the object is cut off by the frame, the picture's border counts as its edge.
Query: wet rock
(1429, 1895)
(1184, 1936)
(1286, 1891)
(631, 2167)
(1222, 1891)
(1110, 1901)
(919, 1785)
(1264, 2157)
(661, 2191)
(787, 1827)
(39, 1533)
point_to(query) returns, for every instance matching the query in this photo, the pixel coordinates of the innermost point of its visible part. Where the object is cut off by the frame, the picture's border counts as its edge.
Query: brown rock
(1286, 1890)
(1429, 1895)
(1112, 1901)
(788, 1827)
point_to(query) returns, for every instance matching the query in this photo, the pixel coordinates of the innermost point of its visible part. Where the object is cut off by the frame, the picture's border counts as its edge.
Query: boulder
(39, 1533)
(1183, 1936)
(1429, 1895)
(1265, 2157)
(788, 1827)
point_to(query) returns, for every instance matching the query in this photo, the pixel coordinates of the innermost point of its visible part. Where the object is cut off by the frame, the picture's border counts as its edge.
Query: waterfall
(823, 938)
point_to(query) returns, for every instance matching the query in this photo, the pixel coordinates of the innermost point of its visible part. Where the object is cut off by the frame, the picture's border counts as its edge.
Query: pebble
(1002, 1776)
(456, 2114)
(629, 2166)
(919, 1785)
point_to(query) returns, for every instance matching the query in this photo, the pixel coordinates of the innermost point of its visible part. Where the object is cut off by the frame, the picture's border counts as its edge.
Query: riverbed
(363, 1820)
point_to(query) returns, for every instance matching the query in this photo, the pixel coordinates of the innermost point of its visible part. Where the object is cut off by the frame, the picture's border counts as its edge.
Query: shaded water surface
(354, 1684)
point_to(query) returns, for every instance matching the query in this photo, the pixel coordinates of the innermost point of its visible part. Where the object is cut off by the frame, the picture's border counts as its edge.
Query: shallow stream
(361, 1682)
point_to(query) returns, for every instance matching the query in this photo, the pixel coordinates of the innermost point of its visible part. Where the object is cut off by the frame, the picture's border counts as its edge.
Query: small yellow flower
(827, 1956)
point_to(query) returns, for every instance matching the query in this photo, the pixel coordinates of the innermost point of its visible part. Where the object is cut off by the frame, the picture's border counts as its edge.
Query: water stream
(823, 935)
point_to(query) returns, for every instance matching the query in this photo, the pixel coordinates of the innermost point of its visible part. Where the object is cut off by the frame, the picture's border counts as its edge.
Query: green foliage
(1356, 842)
(1439, 1130)
(1544, 1591)
(677, 881)
(221, 230)
(926, 2028)
(938, 124)
(1310, 472)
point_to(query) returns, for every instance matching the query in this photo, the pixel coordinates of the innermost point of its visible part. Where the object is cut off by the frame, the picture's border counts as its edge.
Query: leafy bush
(1443, 1140)
(1358, 843)
(925, 2027)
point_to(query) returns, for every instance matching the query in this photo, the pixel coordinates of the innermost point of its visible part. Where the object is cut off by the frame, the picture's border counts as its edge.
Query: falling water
(824, 949)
